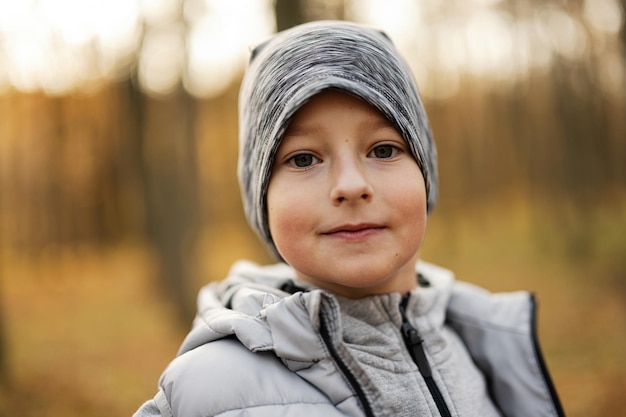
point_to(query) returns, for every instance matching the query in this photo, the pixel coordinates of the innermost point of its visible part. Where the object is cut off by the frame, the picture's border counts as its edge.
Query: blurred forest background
(119, 199)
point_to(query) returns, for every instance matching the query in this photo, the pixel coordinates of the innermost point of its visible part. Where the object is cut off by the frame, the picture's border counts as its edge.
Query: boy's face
(346, 200)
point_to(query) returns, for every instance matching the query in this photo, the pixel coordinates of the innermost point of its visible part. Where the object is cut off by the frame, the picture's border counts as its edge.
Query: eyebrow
(294, 130)
(379, 123)
(301, 130)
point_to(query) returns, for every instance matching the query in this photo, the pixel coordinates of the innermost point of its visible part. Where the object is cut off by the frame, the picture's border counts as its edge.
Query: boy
(338, 172)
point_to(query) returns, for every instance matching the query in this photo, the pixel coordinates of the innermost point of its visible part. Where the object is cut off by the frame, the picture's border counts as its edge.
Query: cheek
(290, 214)
(414, 203)
(411, 206)
(286, 218)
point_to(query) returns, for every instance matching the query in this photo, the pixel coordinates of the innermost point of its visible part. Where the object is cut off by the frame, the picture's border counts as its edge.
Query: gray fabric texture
(371, 332)
(258, 351)
(296, 64)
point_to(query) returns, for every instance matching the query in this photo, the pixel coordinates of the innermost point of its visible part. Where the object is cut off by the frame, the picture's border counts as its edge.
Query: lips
(354, 231)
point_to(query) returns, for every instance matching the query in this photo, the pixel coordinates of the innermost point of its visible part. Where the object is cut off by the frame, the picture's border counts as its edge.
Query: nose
(350, 183)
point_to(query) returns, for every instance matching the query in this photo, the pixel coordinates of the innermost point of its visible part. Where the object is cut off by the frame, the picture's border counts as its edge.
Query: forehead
(335, 106)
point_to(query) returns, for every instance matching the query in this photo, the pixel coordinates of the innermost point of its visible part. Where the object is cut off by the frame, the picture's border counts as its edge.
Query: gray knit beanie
(298, 63)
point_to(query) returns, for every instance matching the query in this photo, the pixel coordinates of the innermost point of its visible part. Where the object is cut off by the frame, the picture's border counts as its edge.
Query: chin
(370, 283)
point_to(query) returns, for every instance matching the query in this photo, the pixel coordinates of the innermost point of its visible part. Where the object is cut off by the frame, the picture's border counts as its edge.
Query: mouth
(354, 231)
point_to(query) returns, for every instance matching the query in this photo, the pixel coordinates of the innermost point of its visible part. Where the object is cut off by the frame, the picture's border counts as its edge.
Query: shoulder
(500, 332)
(473, 305)
(224, 375)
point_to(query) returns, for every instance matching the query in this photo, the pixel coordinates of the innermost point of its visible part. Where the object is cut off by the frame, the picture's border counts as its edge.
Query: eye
(303, 160)
(384, 152)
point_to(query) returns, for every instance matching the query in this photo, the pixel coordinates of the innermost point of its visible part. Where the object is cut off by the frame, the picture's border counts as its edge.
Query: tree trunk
(4, 371)
(164, 151)
(289, 13)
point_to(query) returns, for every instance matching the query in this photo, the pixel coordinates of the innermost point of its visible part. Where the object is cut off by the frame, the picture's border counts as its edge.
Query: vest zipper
(367, 408)
(414, 344)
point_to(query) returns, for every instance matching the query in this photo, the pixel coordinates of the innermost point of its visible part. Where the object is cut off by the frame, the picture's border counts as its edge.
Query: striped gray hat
(298, 63)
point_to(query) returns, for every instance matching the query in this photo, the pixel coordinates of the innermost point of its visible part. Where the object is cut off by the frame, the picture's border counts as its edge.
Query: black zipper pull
(414, 344)
(416, 350)
(413, 341)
